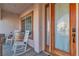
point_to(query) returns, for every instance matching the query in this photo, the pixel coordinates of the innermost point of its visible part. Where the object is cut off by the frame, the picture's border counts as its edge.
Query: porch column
(37, 28)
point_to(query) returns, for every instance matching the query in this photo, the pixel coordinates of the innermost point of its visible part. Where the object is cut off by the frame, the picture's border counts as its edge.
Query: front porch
(12, 20)
(41, 28)
(7, 51)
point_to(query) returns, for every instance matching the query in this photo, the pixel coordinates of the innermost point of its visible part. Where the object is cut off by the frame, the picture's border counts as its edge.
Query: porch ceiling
(16, 8)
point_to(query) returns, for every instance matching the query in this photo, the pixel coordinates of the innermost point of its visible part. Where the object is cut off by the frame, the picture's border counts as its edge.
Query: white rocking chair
(21, 43)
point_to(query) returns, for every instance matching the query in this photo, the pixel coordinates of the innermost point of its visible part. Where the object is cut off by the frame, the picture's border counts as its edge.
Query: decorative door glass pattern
(62, 27)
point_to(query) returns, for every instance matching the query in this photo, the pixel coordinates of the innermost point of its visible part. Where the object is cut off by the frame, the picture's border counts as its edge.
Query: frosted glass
(62, 27)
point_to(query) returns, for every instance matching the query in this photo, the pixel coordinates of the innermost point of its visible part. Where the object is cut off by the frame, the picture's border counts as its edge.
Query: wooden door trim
(52, 27)
(72, 24)
(55, 51)
(46, 6)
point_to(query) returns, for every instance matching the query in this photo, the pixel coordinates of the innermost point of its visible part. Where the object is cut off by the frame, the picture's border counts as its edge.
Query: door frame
(72, 11)
(28, 14)
(46, 47)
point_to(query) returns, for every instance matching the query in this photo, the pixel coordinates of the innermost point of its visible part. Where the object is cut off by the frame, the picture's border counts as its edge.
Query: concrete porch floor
(7, 51)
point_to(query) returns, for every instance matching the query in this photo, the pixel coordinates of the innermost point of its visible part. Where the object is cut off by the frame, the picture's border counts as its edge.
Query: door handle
(73, 35)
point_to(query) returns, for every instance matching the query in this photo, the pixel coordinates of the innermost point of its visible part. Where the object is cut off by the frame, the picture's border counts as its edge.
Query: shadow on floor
(7, 51)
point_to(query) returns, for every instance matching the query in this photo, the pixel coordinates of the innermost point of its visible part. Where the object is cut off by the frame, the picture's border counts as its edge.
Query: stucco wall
(8, 23)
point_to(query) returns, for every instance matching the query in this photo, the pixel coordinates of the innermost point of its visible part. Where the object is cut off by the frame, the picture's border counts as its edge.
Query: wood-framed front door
(63, 29)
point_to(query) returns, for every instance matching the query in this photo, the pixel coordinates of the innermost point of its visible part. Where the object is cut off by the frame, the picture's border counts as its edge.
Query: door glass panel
(28, 26)
(62, 27)
(23, 25)
(47, 27)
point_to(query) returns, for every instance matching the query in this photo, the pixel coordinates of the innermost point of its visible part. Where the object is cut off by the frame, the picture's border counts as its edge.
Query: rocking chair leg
(14, 50)
(25, 48)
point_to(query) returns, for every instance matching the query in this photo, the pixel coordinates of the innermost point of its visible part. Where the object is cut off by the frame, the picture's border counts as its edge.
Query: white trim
(77, 29)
